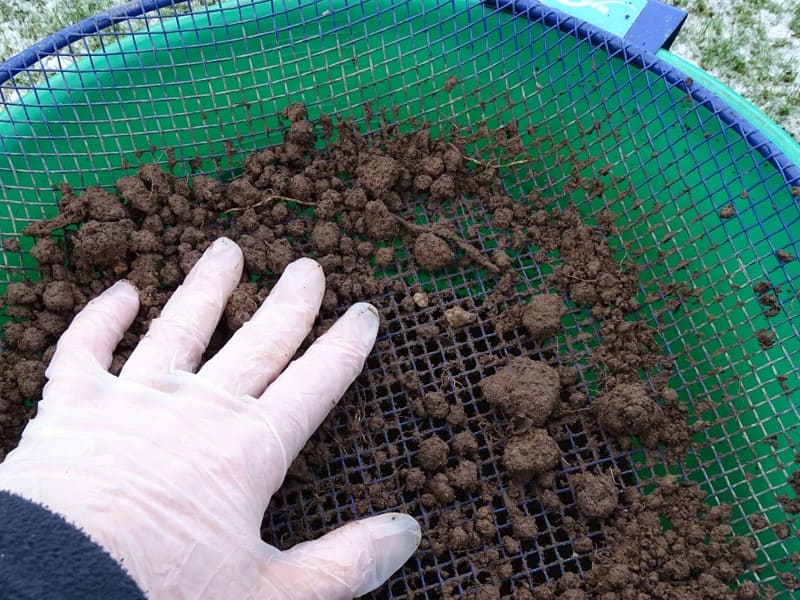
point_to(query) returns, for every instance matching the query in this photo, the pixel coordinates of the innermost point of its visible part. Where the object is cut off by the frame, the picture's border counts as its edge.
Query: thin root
(471, 251)
(267, 200)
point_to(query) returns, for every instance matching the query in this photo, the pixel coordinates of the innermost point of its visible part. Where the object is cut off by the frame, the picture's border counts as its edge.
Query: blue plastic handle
(649, 24)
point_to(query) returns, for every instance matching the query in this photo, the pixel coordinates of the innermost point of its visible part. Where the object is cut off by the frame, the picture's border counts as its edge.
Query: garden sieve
(198, 85)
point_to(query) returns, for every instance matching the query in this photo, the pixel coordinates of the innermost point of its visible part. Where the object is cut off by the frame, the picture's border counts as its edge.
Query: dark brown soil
(597, 496)
(524, 389)
(766, 338)
(768, 298)
(542, 317)
(432, 253)
(531, 454)
(628, 410)
(470, 416)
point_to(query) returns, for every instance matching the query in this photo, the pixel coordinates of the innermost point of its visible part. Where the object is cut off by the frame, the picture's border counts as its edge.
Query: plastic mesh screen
(198, 86)
(453, 362)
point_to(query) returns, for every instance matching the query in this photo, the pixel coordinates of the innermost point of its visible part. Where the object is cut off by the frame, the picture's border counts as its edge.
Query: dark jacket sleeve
(42, 556)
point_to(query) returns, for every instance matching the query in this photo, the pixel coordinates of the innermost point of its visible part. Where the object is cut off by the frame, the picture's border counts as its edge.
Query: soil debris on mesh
(480, 413)
(766, 338)
(768, 298)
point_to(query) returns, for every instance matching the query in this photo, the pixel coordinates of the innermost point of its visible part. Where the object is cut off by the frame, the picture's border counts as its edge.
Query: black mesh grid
(370, 451)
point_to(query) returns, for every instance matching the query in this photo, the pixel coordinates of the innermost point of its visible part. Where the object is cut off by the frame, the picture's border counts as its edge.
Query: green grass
(751, 45)
(33, 20)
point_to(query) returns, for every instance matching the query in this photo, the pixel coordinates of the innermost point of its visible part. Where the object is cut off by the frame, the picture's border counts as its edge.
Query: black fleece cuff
(42, 556)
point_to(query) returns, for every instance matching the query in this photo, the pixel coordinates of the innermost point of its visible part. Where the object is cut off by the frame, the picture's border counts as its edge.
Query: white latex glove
(171, 471)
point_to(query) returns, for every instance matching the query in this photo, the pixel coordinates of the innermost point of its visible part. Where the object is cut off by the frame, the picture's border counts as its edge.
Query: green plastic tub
(198, 87)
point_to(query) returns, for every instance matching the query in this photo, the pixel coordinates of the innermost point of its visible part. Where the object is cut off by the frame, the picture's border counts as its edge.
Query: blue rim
(530, 9)
(69, 35)
(647, 60)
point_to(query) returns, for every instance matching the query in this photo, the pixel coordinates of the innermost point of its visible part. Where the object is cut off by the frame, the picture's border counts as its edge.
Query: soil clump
(481, 414)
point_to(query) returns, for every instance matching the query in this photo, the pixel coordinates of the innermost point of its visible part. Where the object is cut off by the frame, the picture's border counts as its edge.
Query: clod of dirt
(464, 443)
(441, 489)
(784, 256)
(524, 388)
(20, 294)
(524, 526)
(433, 453)
(379, 175)
(379, 221)
(464, 476)
(628, 410)
(29, 374)
(421, 300)
(766, 339)
(770, 303)
(596, 496)
(450, 83)
(103, 205)
(325, 237)
(57, 296)
(103, 244)
(414, 479)
(727, 212)
(531, 454)
(436, 405)
(432, 253)
(542, 317)
(457, 317)
(762, 287)
(296, 111)
(384, 256)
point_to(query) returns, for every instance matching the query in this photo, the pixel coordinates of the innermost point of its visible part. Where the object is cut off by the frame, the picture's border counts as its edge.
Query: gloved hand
(171, 471)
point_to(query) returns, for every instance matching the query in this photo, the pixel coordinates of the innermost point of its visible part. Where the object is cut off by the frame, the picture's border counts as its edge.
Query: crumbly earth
(525, 388)
(596, 496)
(470, 420)
(542, 317)
(531, 454)
(628, 410)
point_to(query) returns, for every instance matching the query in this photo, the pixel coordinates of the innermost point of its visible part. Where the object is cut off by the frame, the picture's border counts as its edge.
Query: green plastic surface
(210, 87)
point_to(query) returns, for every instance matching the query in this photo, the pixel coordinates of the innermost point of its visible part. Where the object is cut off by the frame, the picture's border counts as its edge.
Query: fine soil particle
(542, 317)
(525, 388)
(472, 434)
(450, 83)
(766, 339)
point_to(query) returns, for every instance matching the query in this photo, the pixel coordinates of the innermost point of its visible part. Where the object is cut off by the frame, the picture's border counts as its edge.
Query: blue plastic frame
(637, 56)
(69, 35)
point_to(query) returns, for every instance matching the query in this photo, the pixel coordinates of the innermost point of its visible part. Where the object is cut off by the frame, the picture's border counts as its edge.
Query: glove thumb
(350, 561)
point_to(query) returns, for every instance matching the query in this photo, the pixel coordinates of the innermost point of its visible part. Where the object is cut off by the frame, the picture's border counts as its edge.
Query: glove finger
(297, 401)
(177, 339)
(260, 350)
(348, 562)
(96, 330)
